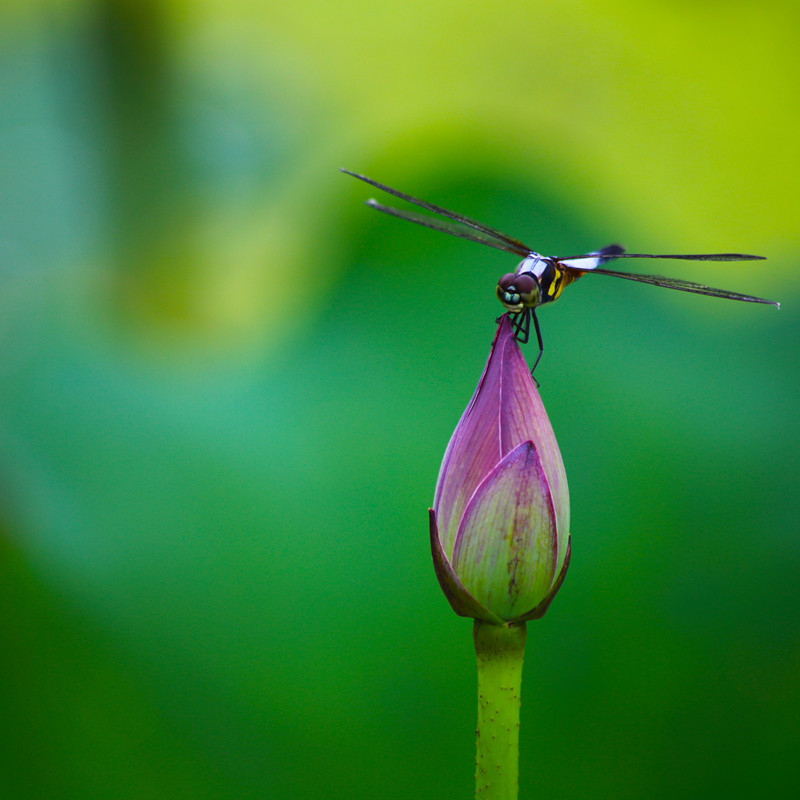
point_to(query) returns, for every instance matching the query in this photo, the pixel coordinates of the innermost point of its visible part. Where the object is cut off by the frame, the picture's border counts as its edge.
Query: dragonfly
(539, 279)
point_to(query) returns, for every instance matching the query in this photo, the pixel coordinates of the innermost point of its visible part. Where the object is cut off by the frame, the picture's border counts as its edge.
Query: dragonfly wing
(451, 227)
(685, 286)
(695, 257)
(512, 245)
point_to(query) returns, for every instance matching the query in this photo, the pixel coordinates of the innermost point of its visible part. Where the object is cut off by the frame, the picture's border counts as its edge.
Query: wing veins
(695, 257)
(681, 286)
(511, 244)
(445, 226)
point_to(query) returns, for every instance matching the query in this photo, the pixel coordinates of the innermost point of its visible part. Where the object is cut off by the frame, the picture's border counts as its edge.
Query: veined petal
(461, 601)
(522, 417)
(504, 411)
(539, 611)
(473, 451)
(506, 553)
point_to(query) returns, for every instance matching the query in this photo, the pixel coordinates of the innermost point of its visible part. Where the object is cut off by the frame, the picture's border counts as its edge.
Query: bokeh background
(226, 386)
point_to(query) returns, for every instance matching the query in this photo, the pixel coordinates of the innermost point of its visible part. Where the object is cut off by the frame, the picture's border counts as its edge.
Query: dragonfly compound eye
(516, 292)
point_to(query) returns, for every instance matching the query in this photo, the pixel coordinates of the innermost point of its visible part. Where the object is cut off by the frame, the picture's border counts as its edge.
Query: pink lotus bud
(500, 517)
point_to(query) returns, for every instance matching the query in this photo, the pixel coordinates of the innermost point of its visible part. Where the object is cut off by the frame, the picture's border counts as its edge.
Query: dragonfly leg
(539, 340)
(521, 323)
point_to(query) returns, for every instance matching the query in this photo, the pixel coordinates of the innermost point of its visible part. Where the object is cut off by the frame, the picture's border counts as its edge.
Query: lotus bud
(499, 524)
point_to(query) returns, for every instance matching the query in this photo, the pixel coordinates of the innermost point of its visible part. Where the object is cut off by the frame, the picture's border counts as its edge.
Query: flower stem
(500, 650)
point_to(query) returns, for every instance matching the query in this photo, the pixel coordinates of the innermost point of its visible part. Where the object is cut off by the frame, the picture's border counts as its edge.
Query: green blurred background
(226, 387)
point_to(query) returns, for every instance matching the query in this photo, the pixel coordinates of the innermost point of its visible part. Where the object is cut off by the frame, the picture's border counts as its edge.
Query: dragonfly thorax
(533, 263)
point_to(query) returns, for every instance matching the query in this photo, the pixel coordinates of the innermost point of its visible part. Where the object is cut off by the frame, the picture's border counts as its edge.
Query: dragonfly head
(517, 292)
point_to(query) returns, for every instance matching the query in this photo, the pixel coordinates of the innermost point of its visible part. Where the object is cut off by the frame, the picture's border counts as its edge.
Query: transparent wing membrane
(684, 286)
(696, 257)
(453, 228)
(511, 244)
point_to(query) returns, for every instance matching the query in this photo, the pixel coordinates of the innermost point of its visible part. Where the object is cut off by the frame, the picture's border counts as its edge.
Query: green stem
(500, 650)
